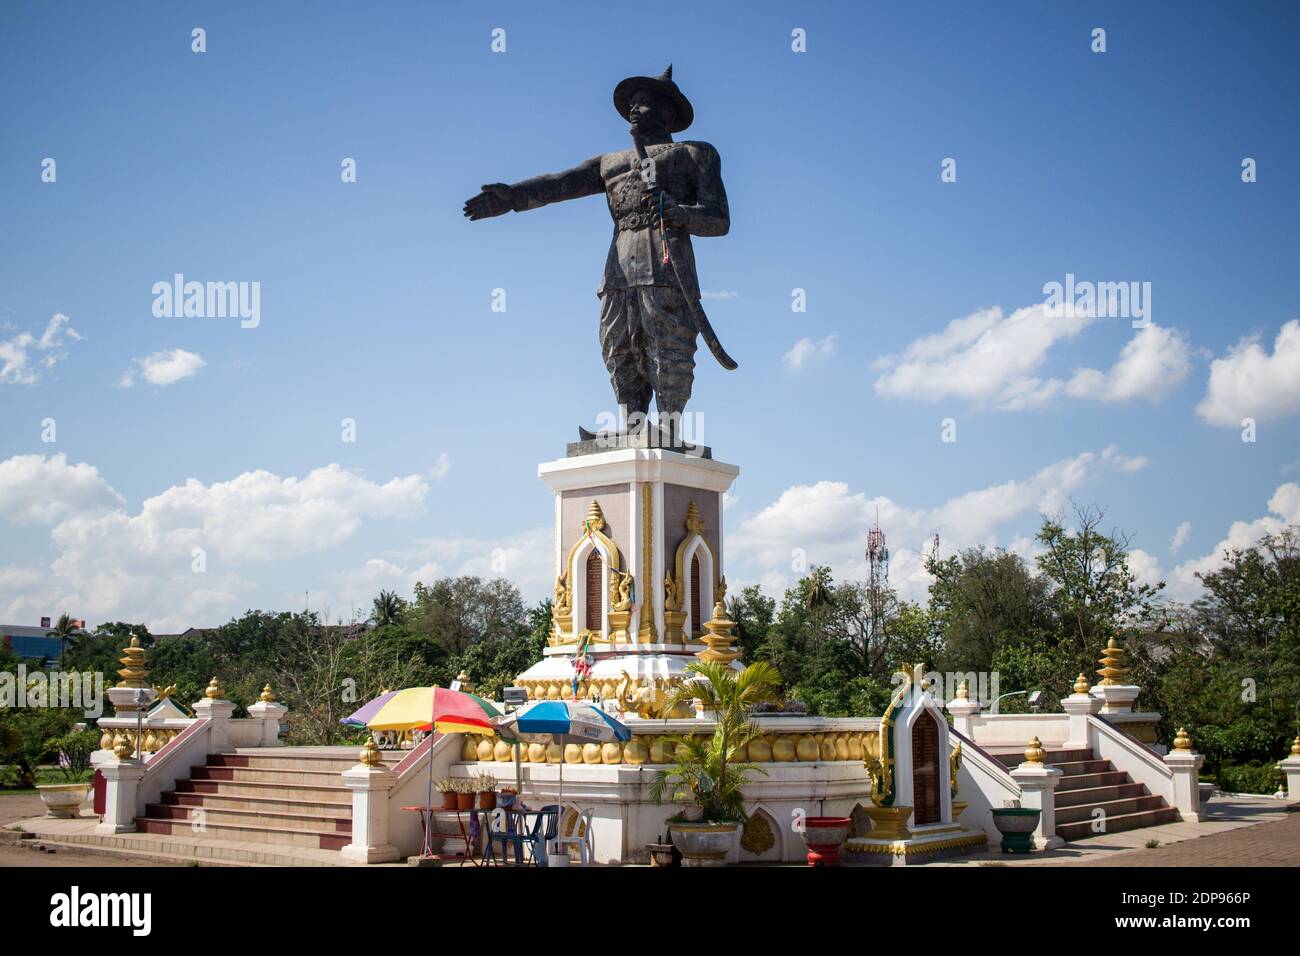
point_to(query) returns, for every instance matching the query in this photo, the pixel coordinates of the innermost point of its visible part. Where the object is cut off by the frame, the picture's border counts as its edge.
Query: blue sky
(376, 295)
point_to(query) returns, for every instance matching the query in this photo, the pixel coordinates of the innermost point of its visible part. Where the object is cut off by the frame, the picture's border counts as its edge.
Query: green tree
(65, 629)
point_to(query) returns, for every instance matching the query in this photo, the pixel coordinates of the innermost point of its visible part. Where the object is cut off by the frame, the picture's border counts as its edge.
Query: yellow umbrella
(456, 712)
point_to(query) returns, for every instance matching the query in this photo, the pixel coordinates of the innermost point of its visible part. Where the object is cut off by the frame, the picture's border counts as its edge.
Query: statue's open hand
(495, 200)
(663, 205)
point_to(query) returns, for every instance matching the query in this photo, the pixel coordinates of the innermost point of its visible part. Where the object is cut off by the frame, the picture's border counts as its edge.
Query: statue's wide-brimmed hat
(663, 85)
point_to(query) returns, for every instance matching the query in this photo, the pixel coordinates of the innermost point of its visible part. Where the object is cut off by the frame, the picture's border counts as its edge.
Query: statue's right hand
(495, 200)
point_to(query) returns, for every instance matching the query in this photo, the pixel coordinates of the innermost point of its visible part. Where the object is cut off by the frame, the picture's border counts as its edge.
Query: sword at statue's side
(697, 311)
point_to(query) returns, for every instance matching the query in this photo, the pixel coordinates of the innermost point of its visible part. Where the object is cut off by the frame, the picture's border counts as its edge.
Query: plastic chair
(581, 837)
(518, 839)
(545, 830)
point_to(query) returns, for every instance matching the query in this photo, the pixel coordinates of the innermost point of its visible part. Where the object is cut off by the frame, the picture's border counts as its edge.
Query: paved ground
(1270, 844)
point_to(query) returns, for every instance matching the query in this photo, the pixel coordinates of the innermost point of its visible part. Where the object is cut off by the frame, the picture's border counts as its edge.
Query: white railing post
(370, 782)
(1290, 768)
(215, 708)
(1037, 783)
(1185, 764)
(270, 712)
(122, 776)
(963, 709)
(1079, 705)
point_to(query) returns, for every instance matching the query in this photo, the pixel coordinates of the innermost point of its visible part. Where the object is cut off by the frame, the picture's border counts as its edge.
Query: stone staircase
(287, 798)
(1088, 784)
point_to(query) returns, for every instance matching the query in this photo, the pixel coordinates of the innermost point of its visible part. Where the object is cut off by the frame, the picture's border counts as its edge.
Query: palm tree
(707, 772)
(388, 608)
(65, 629)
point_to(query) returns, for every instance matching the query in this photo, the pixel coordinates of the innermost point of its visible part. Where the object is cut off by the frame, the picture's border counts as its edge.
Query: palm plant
(387, 608)
(65, 629)
(706, 771)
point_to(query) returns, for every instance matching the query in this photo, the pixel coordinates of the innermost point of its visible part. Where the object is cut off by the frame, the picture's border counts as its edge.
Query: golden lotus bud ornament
(1182, 740)
(1034, 753)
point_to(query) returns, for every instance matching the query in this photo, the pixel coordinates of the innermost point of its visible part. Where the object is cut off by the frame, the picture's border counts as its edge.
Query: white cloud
(1180, 537)
(163, 368)
(1250, 383)
(983, 357)
(1284, 510)
(112, 564)
(806, 351)
(440, 467)
(827, 523)
(39, 490)
(1153, 362)
(16, 367)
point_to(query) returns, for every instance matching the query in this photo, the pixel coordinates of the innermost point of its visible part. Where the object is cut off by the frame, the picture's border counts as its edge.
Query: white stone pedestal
(370, 787)
(121, 785)
(1290, 768)
(962, 710)
(217, 711)
(1115, 698)
(270, 714)
(1038, 792)
(1186, 766)
(1079, 707)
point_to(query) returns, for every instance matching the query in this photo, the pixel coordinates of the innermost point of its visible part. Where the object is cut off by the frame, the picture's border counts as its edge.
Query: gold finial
(370, 755)
(122, 748)
(694, 523)
(1182, 740)
(720, 591)
(1112, 664)
(267, 696)
(1034, 753)
(717, 635)
(215, 691)
(132, 672)
(1295, 746)
(963, 691)
(595, 520)
(1081, 683)
(466, 684)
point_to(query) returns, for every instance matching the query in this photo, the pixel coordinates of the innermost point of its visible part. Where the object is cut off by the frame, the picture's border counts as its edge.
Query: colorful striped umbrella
(435, 708)
(362, 716)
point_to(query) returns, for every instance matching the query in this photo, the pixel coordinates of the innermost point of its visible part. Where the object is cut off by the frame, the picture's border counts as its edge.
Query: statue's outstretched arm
(499, 198)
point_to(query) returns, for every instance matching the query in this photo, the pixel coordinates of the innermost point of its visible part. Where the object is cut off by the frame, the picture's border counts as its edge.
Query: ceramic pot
(1017, 826)
(824, 836)
(705, 844)
(63, 799)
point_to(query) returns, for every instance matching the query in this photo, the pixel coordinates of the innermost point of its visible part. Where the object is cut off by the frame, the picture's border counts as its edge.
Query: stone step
(1113, 808)
(1117, 824)
(206, 816)
(153, 847)
(294, 761)
(1014, 758)
(245, 833)
(1074, 768)
(1094, 795)
(1080, 781)
(316, 778)
(259, 788)
(268, 804)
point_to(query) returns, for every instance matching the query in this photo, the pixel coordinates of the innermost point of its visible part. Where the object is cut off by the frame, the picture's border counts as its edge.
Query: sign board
(515, 696)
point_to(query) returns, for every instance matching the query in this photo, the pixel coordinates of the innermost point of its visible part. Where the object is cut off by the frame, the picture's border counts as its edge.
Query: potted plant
(447, 787)
(74, 750)
(706, 772)
(464, 793)
(485, 785)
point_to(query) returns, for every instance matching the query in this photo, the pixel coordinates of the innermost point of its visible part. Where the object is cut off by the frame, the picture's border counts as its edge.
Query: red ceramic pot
(449, 800)
(824, 836)
(464, 801)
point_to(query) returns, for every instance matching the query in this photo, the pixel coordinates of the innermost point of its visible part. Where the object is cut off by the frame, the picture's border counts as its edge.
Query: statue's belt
(637, 219)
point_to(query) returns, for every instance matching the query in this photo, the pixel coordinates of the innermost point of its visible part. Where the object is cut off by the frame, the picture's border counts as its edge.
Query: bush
(74, 750)
(1249, 778)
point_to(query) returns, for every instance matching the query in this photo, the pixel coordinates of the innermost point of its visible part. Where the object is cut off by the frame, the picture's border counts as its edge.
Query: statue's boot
(638, 423)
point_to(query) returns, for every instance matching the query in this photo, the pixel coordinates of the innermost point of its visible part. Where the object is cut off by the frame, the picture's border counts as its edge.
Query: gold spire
(1182, 740)
(694, 523)
(133, 672)
(215, 691)
(1034, 753)
(1112, 664)
(718, 637)
(1081, 683)
(267, 696)
(595, 520)
(1295, 746)
(370, 755)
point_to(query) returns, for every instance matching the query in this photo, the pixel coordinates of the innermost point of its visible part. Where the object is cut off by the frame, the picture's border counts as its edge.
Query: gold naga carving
(954, 765)
(562, 611)
(650, 702)
(620, 605)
